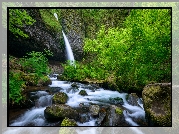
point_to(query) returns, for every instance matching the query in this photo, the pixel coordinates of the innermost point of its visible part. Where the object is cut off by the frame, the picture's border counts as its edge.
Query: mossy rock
(68, 122)
(157, 104)
(119, 110)
(83, 93)
(60, 98)
(30, 79)
(57, 112)
(44, 81)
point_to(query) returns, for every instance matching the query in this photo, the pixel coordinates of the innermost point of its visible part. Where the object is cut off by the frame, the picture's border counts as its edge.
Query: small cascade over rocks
(106, 111)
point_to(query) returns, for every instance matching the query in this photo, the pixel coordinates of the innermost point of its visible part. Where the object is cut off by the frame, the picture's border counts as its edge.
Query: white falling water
(69, 52)
(56, 16)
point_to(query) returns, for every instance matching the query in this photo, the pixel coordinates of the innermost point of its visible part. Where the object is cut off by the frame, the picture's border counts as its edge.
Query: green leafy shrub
(34, 67)
(138, 53)
(15, 87)
(36, 62)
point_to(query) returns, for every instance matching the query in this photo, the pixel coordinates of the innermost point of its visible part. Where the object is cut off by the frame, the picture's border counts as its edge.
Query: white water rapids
(35, 116)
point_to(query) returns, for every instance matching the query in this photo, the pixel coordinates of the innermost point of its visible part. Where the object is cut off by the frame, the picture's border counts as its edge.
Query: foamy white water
(100, 96)
(34, 116)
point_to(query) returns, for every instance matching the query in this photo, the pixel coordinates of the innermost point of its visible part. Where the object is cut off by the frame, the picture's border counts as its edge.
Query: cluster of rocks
(105, 115)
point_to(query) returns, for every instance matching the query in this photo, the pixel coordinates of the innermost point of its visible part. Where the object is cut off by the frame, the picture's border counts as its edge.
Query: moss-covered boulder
(44, 81)
(157, 104)
(60, 98)
(68, 122)
(83, 93)
(56, 112)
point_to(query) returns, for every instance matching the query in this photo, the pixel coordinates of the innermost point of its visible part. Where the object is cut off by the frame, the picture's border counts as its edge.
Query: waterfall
(69, 52)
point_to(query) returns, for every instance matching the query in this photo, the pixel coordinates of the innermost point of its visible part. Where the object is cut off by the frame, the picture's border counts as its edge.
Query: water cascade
(99, 96)
(69, 52)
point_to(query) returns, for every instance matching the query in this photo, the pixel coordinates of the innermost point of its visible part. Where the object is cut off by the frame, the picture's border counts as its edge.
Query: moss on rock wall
(157, 104)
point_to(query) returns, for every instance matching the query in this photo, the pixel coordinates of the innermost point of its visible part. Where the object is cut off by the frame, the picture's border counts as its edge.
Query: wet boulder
(133, 99)
(84, 117)
(74, 85)
(116, 100)
(60, 98)
(102, 115)
(94, 110)
(157, 104)
(83, 93)
(114, 117)
(68, 122)
(56, 112)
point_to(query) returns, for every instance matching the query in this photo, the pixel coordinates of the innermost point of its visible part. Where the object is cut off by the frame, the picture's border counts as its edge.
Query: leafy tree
(139, 52)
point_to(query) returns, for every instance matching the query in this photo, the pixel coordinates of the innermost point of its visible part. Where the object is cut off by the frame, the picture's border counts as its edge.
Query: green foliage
(17, 19)
(36, 62)
(15, 87)
(50, 20)
(82, 71)
(35, 66)
(139, 52)
(95, 18)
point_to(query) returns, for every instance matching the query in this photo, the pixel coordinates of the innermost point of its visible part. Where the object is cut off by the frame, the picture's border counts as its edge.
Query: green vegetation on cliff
(17, 19)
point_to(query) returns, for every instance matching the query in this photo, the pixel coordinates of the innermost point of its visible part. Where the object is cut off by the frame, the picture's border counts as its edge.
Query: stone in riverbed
(157, 104)
(132, 99)
(83, 93)
(94, 110)
(114, 117)
(60, 98)
(116, 100)
(74, 85)
(68, 122)
(56, 112)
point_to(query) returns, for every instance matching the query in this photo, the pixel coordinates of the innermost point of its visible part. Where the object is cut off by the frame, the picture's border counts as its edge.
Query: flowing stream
(99, 96)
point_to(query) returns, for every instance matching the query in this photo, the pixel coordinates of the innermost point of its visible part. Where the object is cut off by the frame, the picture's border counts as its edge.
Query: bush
(34, 67)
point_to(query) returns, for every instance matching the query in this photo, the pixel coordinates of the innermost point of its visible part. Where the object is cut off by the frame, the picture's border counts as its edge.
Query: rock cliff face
(157, 104)
(44, 36)
(46, 32)
(40, 37)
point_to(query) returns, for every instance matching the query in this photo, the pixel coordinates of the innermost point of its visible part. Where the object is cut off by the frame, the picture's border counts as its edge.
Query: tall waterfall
(68, 49)
(69, 52)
